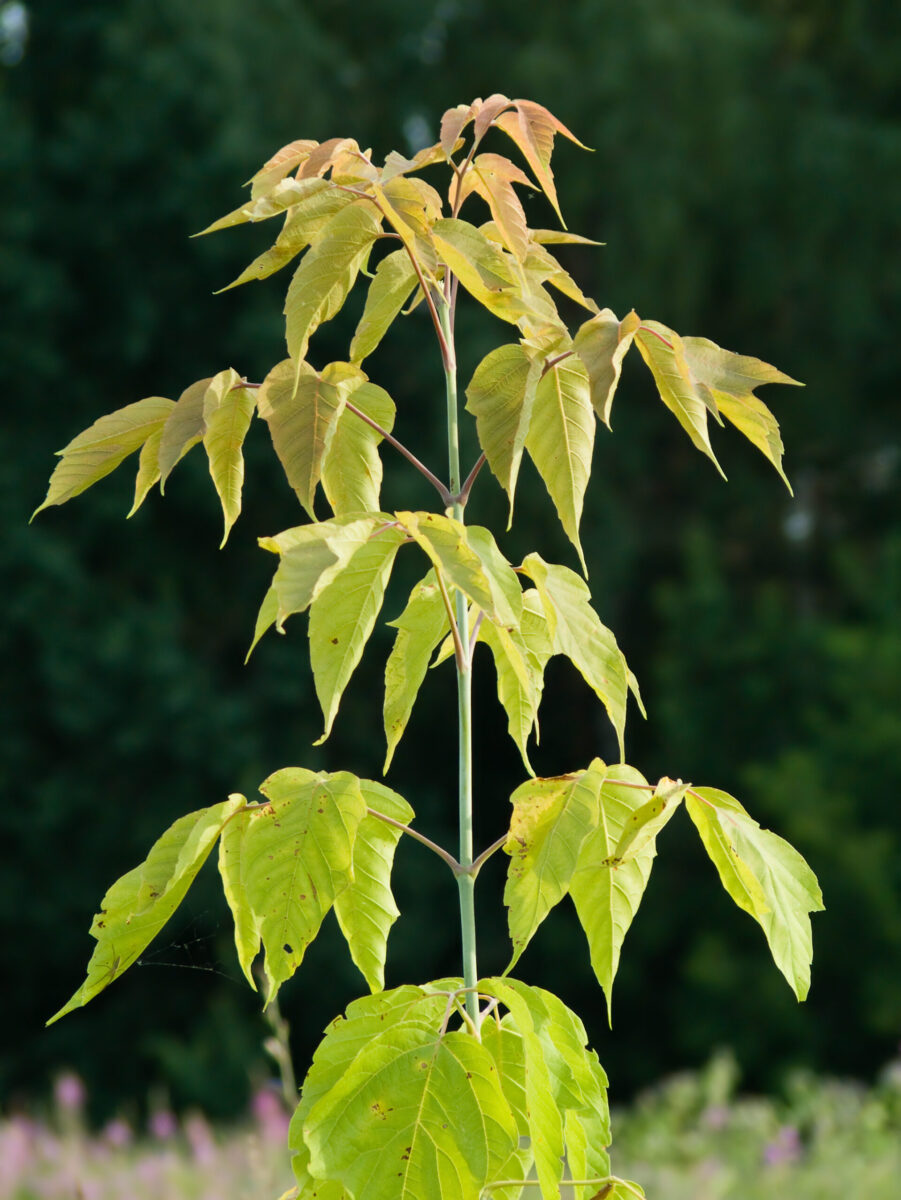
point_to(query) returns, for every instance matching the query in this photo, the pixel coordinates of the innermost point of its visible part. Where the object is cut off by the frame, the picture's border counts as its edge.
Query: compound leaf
(420, 627)
(601, 343)
(560, 440)
(551, 819)
(301, 409)
(343, 616)
(366, 909)
(500, 396)
(577, 632)
(327, 272)
(741, 852)
(100, 448)
(297, 857)
(139, 904)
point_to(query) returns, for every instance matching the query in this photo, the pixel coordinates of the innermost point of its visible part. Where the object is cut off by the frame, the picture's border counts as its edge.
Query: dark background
(745, 178)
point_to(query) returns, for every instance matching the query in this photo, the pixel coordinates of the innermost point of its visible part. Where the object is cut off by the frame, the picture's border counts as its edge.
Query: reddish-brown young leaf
(532, 128)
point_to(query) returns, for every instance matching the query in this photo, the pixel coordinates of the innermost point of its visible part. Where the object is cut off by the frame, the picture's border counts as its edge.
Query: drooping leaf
(730, 380)
(662, 350)
(561, 440)
(327, 272)
(301, 409)
(266, 618)
(481, 575)
(366, 909)
(602, 343)
(492, 177)
(352, 467)
(543, 266)
(310, 556)
(551, 819)
(343, 616)
(417, 1115)
(148, 469)
(500, 396)
(739, 848)
(646, 822)
(183, 429)
(577, 632)
(453, 123)
(420, 627)
(231, 871)
(395, 278)
(532, 128)
(100, 448)
(607, 896)
(297, 857)
(517, 687)
(228, 411)
(138, 905)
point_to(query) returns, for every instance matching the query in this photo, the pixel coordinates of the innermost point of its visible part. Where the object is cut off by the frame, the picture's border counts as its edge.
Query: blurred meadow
(745, 177)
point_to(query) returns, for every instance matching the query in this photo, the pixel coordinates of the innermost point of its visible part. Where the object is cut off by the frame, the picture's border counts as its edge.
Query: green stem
(465, 882)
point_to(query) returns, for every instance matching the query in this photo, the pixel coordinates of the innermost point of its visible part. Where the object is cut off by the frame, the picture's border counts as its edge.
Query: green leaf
(301, 409)
(729, 381)
(742, 852)
(139, 904)
(561, 439)
(366, 909)
(601, 343)
(327, 273)
(183, 429)
(646, 822)
(100, 448)
(500, 396)
(480, 267)
(481, 574)
(297, 857)
(312, 555)
(551, 819)
(417, 1115)
(231, 871)
(520, 678)
(577, 632)
(420, 627)
(266, 618)
(343, 616)
(395, 278)
(662, 350)
(228, 411)
(607, 896)
(565, 1086)
(148, 469)
(352, 466)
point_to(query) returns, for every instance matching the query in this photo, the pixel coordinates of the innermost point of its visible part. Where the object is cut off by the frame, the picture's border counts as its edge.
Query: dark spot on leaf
(334, 641)
(287, 949)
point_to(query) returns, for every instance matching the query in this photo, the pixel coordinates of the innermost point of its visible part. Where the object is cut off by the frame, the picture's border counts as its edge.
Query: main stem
(465, 881)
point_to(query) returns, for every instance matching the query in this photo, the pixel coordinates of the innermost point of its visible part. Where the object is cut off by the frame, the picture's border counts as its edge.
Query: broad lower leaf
(395, 278)
(228, 411)
(646, 822)
(312, 555)
(482, 576)
(551, 819)
(327, 273)
(662, 350)
(297, 857)
(97, 451)
(343, 616)
(352, 467)
(607, 896)
(500, 396)
(183, 429)
(139, 904)
(730, 380)
(577, 632)
(532, 128)
(420, 627)
(561, 439)
(416, 1115)
(366, 909)
(739, 849)
(601, 343)
(301, 409)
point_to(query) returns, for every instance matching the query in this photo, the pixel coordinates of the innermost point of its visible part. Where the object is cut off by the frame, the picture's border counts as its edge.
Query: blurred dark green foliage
(746, 168)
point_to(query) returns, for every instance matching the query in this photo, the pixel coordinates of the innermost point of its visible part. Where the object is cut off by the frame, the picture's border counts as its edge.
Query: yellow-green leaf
(231, 871)
(644, 824)
(228, 411)
(148, 469)
(183, 429)
(395, 278)
(602, 343)
(352, 467)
